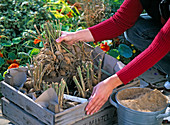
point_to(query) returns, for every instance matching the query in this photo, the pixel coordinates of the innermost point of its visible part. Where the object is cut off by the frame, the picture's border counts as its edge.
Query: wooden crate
(22, 110)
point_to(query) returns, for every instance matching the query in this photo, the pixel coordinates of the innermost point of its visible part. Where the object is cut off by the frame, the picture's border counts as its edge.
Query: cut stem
(78, 86)
(81, 78)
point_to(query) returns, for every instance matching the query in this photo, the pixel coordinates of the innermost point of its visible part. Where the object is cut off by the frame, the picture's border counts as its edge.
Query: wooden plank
(106, 116)
(77, 113)
(71, 115)
(27, 104)
(16, 114)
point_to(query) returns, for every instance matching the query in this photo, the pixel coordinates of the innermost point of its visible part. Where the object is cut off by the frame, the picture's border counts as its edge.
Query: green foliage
(2, 61)
(17, 19)
(125, 51)
(16, 16)
(114, 53)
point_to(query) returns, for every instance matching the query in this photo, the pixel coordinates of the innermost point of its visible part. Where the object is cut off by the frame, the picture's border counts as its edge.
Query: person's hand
(73, 37)
(101, 93)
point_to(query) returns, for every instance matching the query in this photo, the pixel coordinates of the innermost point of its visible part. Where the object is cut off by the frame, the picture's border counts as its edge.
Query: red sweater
(122, 20)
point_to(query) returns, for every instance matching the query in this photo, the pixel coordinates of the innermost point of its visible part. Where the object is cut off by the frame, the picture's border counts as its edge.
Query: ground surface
(151, 76)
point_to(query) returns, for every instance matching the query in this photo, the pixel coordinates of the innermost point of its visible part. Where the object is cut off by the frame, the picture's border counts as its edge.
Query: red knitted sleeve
(157, 50)
(123, 19)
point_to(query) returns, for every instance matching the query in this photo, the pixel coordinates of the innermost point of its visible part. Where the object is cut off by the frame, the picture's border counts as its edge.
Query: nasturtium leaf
(23, 55)
(65, 28)
(1, 77)
(41, 44)
(16, 40)
(114, 53)
(125, 51)
(12, 56)
(1, 61)
(7, 44)
(34, 51)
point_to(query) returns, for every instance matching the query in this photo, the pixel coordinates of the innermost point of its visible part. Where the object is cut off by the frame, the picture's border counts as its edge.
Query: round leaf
(41, 44)
(125, 51)
(16, 40)
(12, 56)
(114, 53)
(1, 77)
(7, 44)
(34, 51)
(1, 61)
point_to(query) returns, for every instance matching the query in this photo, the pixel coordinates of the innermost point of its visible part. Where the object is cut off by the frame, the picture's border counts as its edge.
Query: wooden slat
(104, 117)
(16, 114)
(74, 114)
(71, 115)
(27, 104)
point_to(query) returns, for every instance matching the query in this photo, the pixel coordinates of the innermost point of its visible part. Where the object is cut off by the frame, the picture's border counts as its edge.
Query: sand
(143, 99)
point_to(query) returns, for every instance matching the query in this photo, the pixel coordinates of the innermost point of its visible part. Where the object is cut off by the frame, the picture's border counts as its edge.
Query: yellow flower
(134, 51)
(118, 57)
(132, 45)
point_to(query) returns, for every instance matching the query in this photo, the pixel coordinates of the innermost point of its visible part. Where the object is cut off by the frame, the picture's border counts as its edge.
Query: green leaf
(23, 55)
(1, 77)
(1, 61)
(7, 44)
(125, 51)
(34, 51)
(114, 53)
(16, 40)
(12, 56)
(41, 44)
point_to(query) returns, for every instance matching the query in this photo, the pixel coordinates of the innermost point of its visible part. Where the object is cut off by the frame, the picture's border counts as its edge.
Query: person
(150, 33)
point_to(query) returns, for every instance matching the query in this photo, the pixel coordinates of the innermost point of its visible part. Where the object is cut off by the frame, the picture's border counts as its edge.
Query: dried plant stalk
(89, 83)
(63, 85)
(79, 87)
(58, 62)
(81, 78)
(99, 69)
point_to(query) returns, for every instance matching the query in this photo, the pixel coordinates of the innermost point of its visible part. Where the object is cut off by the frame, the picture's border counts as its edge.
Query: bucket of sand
(140, 106)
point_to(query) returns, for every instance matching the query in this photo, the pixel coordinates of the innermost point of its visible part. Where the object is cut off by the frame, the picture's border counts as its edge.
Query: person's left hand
(101, 93)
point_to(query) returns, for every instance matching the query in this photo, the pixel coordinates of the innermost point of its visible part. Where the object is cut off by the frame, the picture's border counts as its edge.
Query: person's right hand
(73, 37)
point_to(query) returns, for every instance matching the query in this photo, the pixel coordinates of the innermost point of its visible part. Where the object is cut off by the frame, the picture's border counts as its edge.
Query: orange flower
(1, 55)
(0, 36)
(13, 65)
(104, 47)
(37, 40)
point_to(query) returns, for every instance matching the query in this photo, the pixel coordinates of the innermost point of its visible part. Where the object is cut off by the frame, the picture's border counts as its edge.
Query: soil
(143, 99)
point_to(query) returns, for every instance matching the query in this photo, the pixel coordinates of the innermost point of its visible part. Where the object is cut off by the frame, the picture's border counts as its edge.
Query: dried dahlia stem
(99, 69)
(81, 78)
(78, 86)
(89, 83)
(56, 88)
(63, 85)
